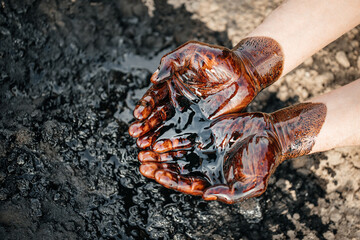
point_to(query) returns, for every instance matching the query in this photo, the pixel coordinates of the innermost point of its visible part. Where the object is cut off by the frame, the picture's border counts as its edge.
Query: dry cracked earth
(70, 74)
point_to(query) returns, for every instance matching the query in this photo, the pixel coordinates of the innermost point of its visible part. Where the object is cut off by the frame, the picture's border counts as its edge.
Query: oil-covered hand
(217, 79)
(231, 158)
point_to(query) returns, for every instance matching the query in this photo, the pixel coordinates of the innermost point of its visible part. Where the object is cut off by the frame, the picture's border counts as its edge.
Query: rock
(283, 93)
(303, 93)
(281, 183)
(291, 234)
(24, 137)
(2, 176)
(324, 78)
(303, 171)
(299, 162)
(309, 61)
(251, 210)
(334, 158)
(335, 217)
(273, 88)
(358, 63)
(356, 162)
(357, 234)
(329, 235)
(4, 31)
(342, 59)
(354, 44)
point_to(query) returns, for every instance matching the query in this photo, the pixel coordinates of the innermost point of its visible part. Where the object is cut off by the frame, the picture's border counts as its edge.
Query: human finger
(169, 64)
(163, 72)
(146, 140)
(166, 145)
(151, 156)
(219, 192)
(237, 193)
(139, 128)
(187, 184)
(150, 100)
(148, 169)
(174, 93)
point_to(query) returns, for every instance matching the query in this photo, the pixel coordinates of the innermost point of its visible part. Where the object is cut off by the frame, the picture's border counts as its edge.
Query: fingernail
(135, 130)
(162, 146)
(139, 112)
(148, 170)
(143, 143)
(147, 156)
(163, 178)
(209, 197)
(155, 76)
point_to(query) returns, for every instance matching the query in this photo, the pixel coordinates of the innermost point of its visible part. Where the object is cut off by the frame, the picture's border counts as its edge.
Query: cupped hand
(232, 157)
(229, 159)
(217, 79)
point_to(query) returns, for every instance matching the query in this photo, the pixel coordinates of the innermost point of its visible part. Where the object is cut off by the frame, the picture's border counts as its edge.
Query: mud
(70, 75)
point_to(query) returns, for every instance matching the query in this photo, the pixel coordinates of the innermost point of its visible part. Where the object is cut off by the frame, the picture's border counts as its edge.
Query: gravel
(342, 59)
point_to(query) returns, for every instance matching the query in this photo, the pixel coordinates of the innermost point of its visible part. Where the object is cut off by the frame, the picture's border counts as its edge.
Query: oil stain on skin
(232, 157)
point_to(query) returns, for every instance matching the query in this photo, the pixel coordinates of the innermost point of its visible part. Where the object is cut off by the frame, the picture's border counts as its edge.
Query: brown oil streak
(208, 71)
(298, 127)
(221, 153)
(248, 147)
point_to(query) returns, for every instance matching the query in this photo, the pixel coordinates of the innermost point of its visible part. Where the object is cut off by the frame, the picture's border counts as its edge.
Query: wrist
(342, 125)
(297, 127)
(262, 58)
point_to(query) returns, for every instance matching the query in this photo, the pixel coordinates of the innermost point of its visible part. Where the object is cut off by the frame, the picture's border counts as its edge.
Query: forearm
(302, 27)
(342, 124)
(320, 124)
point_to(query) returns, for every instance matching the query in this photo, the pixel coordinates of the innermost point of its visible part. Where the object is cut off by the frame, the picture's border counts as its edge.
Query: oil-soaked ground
(70, 74)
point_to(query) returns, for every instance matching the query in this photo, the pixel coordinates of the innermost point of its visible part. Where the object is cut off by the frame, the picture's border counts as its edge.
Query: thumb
(162, 73)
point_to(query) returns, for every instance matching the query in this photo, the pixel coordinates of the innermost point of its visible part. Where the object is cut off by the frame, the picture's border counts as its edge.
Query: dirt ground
(70, 75)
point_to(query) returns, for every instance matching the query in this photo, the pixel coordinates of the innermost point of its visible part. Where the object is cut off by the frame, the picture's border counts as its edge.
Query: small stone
(357, 234)
(354, 44)
(329, 235)
(303, 171)
(298, 163)
(281, 183)
(304, 93)
(20, 161)
(309, 61)
(334, 158)
(358, 62)
(342, 59)
(324, 78)
(251, 210)
(24, 137)
(3, 195)
(36, 207)
(291, 234)
(273, 88)
(283, 93)
(296, 216)
(335, 217)
(356, 162)
(2, 176)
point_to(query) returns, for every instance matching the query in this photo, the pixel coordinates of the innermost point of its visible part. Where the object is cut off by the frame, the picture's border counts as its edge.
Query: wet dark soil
(70, 75)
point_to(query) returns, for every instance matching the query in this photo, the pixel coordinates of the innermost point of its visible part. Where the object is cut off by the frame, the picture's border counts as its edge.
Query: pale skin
(303, 27)
(342, 124)
(329, 19)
